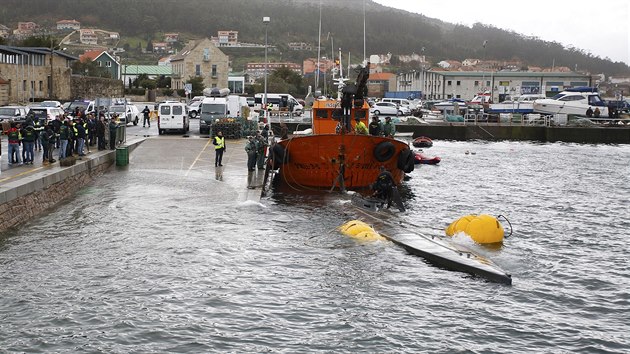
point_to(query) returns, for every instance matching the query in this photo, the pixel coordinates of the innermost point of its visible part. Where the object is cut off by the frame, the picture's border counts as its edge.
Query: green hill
(388, 30)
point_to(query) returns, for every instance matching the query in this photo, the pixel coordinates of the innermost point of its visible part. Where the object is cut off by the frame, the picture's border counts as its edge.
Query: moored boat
(420, 158)
(523, 104)
(572, 101)
(422, 142)
(335, 156)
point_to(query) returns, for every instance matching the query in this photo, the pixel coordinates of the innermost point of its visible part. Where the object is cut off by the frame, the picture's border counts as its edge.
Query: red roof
(90, 55)
(381, 76)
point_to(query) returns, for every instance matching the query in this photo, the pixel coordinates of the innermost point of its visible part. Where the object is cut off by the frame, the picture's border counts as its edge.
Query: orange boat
(334, 156)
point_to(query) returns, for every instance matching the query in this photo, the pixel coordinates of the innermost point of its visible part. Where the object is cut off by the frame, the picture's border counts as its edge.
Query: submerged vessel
(437, 250)
(335, 155)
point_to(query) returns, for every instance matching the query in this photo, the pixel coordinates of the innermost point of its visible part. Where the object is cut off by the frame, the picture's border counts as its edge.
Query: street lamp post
(52, 73)
(266, 21)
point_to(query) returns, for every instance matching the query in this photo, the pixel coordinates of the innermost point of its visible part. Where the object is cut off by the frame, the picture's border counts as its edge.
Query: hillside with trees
(388, 30)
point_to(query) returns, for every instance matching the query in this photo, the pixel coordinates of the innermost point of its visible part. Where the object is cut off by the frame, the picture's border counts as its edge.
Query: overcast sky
(599, 27)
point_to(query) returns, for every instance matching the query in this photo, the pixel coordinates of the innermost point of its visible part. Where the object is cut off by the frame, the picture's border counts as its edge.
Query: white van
(172, 116)
(398, 101)
(279, 101)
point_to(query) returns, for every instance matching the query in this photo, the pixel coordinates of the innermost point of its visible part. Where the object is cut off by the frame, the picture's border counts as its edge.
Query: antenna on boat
(319, 47)
(363, 30)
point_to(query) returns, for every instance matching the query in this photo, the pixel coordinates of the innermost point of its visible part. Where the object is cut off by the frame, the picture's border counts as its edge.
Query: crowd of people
(70, 136)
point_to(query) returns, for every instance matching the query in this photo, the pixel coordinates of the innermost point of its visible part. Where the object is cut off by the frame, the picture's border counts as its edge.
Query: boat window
(337, 114)
(595, 100)
(558, 96)
(321, 113)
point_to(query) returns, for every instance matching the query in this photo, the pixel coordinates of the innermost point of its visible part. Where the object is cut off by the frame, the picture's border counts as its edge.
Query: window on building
(459, 83)
(24, 85)
(449, 83)
(41, 86)
(108, 64)
(487, 83)
(198, 70)
(449, 96)
(214, 70)
(476, 83)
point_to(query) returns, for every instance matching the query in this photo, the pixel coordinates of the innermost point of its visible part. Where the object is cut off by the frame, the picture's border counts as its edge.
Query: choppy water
(165, 264)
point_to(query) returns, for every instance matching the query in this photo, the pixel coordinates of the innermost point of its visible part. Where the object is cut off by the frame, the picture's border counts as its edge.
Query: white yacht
(523, 104)
(572, 101)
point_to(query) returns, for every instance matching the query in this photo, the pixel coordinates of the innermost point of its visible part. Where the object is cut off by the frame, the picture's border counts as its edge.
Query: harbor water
(151, 259)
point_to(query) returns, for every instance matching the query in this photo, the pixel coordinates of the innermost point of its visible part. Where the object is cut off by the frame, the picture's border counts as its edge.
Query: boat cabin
(328, 115)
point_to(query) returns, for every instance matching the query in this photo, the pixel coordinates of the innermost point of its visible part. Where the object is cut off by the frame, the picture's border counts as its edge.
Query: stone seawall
(26, 197)
(24, 207)
(496, 132)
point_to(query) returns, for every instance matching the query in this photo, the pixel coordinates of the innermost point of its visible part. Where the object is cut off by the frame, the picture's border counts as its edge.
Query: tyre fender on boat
(384, 151)
(406, 160)
(279, 156)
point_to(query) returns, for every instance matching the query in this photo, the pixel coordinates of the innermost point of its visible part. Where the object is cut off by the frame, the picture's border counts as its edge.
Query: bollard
(122, 156)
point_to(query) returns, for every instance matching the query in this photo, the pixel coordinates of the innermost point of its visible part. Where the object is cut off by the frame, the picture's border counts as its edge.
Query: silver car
(13, 113)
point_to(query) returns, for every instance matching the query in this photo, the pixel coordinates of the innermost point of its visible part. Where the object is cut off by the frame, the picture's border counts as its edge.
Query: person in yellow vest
(360, 127)
(219, 147)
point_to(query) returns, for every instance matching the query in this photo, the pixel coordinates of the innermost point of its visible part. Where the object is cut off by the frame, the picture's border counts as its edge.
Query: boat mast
(364, 31)
(319, 47)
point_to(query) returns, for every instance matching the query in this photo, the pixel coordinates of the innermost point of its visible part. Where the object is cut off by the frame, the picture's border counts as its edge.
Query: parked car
(83, 106)
(194, 109)
(385, 108)
(251, 101)
(126, 113)
(55, 104)
(13, 113)
(48, 113)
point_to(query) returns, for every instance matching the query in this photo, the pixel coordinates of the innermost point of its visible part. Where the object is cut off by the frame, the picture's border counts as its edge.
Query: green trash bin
(122, 156)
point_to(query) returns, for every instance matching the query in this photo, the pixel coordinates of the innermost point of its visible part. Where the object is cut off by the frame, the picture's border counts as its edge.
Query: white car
(385, 108)
(194, 108)
(55, 104)
(132, 114)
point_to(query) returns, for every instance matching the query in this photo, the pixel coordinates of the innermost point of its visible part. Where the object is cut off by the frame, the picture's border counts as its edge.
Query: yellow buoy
(459, 225)
(360, 230)
(481, 228)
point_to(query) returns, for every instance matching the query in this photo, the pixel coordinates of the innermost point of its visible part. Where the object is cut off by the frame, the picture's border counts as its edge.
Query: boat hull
(550, 106)
(315, 161)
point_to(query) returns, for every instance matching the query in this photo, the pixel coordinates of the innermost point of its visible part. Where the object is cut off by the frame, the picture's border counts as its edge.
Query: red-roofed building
(64, 25)
(379, 83)
(90, 55)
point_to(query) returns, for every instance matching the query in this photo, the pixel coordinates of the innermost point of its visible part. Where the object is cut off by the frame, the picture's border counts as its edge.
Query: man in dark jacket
(146, 111)
(113, 127)
(100, 133)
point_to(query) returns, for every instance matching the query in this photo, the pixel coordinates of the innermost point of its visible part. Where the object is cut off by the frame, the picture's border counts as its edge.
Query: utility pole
(52, 53)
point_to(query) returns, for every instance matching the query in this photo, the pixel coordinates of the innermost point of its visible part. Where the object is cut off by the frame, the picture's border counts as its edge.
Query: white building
(441, 85)
(72, 25)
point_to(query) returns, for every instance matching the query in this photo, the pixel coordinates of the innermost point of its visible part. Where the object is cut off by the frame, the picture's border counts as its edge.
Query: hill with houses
(393, 34)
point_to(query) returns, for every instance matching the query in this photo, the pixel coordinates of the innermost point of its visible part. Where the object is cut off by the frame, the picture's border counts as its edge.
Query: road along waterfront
(164, 257)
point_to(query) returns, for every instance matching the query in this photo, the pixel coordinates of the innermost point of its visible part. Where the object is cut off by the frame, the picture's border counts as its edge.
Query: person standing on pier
(64, 134)
(261, 146)
(219, 148)
(14, 143)
(251, 148)
(389, 129)
(113, 128)
(100, 133)
(146, 112)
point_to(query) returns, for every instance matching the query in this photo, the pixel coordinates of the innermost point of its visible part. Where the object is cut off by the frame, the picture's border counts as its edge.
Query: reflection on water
(171, 264)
